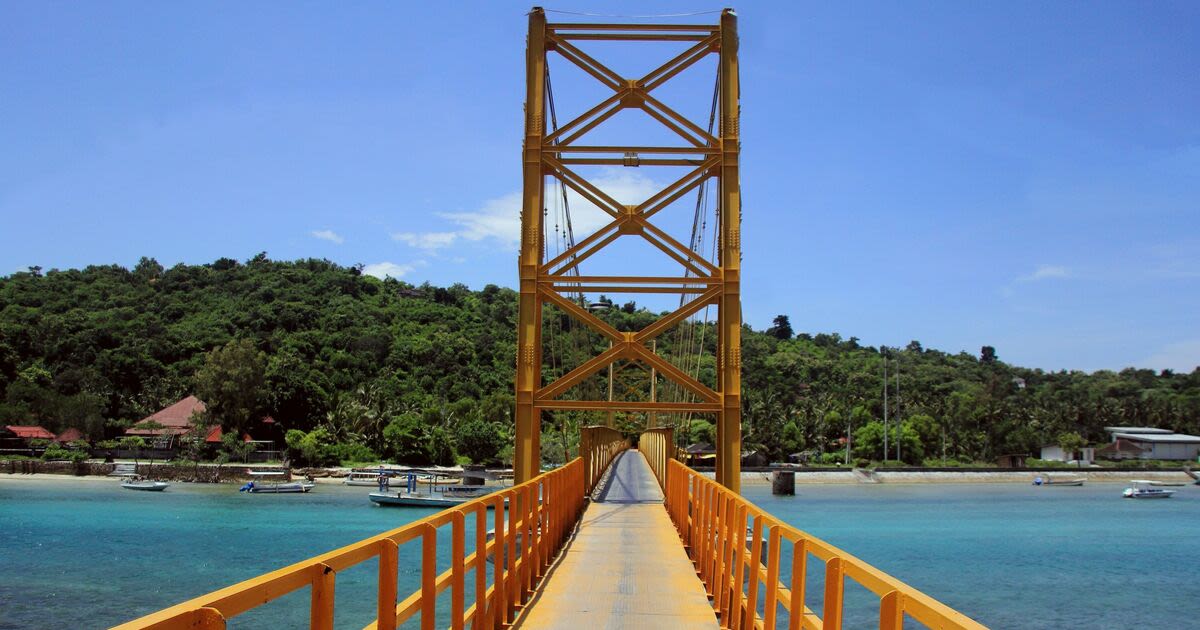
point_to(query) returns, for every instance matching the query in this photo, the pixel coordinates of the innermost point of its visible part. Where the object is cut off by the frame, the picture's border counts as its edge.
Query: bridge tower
(555, 154)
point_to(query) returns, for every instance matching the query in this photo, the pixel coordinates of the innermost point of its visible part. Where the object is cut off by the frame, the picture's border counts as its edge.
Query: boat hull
(407, 500)
(154, 486)
(281, 488)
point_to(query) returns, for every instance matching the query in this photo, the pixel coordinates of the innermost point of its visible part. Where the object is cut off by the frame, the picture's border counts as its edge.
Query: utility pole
(883, 352)
(899, 426)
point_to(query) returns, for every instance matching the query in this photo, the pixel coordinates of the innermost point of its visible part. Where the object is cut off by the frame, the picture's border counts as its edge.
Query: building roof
(215, 434)
(30, 432)
(175, 419)
(1138, 430)
(1122, 445)
(1157, 438)
(70, 435)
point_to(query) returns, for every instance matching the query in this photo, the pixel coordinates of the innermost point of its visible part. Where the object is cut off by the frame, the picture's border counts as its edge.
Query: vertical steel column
(527, 456)
(729, 425)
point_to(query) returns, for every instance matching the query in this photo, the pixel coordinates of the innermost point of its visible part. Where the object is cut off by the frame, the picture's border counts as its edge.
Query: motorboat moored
(436, 497)
(1143, 489)
(145, 485)
(1051, 481)
(274, 482)
(284, 487)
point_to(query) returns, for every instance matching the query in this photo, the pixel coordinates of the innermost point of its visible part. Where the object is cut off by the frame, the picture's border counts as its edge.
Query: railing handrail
(598, 446)
(658, 445)
(541, 513)
(713, 521)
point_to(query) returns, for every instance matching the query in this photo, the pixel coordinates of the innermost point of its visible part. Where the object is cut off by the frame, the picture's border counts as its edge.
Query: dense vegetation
(357, 368)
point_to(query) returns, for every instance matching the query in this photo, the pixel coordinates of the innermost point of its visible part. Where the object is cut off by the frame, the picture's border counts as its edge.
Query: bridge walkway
(624, 567)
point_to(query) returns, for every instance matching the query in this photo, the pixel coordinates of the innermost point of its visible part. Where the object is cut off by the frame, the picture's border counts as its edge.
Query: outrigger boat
(1141, 490)
(1050, 481)
(255, 486)
(143, 484)
(366, 476)
(437, 496)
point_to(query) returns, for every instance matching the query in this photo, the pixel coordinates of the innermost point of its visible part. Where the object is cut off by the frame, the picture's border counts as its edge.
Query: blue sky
(1021, 175)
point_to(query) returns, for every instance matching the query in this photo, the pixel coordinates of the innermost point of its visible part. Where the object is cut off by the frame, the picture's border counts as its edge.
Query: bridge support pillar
(527, 450)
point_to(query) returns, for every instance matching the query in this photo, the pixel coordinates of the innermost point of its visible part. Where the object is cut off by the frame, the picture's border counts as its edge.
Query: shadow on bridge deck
(624, 566)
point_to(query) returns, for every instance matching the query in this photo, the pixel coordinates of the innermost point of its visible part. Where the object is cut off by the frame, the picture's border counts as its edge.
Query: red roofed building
(215, 434)
(70, 435)
(30, 432)
(175, 419)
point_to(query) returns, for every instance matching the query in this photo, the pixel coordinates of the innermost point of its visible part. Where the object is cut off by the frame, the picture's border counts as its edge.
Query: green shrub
(58, 453)
(832, 457)
(354, 452)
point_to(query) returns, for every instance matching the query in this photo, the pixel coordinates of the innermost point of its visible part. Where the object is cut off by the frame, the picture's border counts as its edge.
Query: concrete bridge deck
(624, 567)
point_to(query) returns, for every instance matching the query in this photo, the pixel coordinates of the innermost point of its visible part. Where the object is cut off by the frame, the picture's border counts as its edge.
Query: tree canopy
(361, 368)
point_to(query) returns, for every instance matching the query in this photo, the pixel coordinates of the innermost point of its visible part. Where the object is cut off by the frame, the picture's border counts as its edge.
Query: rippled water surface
(88, 554)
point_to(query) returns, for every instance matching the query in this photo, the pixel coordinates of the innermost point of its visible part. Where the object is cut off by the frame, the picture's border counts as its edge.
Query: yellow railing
(541, 514)
(597, 447)
(725, 534)
(658, 445)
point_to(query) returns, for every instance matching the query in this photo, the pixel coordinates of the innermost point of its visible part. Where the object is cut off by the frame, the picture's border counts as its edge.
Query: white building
(1054, 453)
(1157, 443)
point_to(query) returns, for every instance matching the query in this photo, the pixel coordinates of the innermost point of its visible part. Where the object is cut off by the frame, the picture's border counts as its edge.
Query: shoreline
(832, 477)
(859, 476)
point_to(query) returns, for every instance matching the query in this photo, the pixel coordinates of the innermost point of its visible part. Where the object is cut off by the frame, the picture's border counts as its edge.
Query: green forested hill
(420, 372)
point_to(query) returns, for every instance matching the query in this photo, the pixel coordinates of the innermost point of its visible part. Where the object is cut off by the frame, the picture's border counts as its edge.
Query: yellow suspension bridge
(625, 535)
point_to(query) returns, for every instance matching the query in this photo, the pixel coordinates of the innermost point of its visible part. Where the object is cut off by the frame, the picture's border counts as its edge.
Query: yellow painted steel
(624, 567)
(598, 446)
(542, 512)
(552, 153)
(727, 538)
(658, 445)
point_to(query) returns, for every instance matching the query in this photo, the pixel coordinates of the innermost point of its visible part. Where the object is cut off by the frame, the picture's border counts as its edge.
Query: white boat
(145, 485)
(284, 487)
(1051, 481)
(414, 499)
(1142, 490)
(366, 477)
(438, 496)
(264, 482)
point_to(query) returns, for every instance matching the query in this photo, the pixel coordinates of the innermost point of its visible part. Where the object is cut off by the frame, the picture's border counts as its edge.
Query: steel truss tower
(545, 281)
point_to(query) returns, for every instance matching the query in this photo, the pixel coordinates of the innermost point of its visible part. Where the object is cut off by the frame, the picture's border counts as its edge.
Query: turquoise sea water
(89, 554)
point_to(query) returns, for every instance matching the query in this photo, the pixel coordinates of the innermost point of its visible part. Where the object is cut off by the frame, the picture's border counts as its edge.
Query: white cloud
(1183, 357)
(1046, 272)
(382, 270)
(426, 240)
(328, 235)
(499, 219)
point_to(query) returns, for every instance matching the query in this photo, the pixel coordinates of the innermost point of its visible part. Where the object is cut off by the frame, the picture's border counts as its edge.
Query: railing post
(831, 617)
(385, 612)
(891, 611)
(320, 612)
(755, 563)
(478, 622)
(799, 575)
(428, 577)
(769, 603)
(458, 569)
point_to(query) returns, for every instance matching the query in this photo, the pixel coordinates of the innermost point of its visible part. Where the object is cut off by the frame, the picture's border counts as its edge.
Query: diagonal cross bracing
(709, 157)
